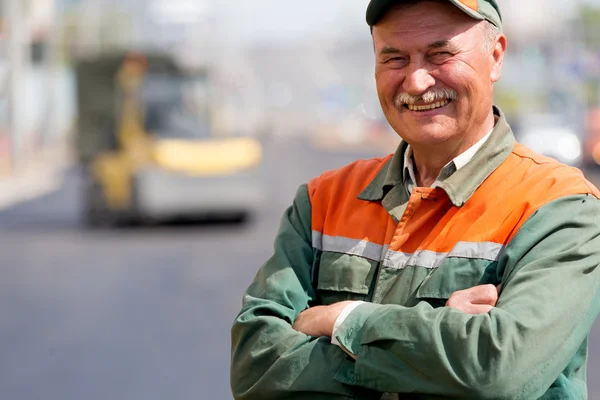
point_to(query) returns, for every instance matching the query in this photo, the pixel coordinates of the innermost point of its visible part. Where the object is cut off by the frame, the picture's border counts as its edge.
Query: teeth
(433, 106)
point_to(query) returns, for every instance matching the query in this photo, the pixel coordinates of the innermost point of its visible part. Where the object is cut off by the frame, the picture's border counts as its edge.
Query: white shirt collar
(457, 163)
(463, 159)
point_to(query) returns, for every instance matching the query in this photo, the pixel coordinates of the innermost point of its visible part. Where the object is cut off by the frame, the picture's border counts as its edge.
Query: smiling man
(462, 266)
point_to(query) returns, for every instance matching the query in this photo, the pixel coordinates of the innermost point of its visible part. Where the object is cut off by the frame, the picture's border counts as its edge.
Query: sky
(275, 20)
(257, 21)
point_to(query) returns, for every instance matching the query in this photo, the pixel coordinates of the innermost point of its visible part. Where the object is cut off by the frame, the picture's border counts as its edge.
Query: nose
(417, 80)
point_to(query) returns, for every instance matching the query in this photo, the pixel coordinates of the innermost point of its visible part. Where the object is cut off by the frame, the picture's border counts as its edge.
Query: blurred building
(36, 90)
(302, 68)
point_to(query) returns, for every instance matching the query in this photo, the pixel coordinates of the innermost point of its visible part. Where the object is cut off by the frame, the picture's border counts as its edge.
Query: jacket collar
(461, 185)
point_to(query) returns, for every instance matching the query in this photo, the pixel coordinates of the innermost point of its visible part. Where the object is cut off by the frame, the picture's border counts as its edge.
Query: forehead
(425, 20)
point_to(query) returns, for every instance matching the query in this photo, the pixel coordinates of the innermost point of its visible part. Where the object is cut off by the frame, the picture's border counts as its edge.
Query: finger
(303, 325)
(461, 303)
(479, 309)
(483, 294)
(300, 320)
(488, 302)
(473, 309)
(309, 321)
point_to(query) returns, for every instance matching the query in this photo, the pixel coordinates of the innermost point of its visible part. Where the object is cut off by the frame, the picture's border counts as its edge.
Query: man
(462, 266)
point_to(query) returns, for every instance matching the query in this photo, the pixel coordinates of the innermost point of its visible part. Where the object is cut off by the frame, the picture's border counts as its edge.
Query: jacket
(509, 217)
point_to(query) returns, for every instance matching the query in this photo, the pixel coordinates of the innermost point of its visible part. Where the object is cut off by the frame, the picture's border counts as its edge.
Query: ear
(498, 58)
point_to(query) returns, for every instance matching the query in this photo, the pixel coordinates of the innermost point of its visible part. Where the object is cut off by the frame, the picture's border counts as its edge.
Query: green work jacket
(508, 217)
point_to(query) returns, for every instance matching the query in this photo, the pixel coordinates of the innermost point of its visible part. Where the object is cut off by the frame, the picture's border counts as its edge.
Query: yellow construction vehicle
(148, 148)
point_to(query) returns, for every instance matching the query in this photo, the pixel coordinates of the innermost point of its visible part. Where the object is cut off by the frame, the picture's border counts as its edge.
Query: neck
(427, 173)
(429, 160)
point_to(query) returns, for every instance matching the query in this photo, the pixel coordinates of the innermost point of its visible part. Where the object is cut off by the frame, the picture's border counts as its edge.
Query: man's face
(434, 77)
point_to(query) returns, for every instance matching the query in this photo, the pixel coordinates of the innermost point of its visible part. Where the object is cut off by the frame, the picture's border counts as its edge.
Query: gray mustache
(430, 96)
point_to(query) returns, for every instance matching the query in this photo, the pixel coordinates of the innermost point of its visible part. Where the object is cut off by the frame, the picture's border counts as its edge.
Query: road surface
(138, 314)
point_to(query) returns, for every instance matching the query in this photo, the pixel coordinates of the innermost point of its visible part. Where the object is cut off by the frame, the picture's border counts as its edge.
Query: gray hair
(490, 35)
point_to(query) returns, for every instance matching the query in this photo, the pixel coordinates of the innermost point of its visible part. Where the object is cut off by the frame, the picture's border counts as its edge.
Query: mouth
(427, 107)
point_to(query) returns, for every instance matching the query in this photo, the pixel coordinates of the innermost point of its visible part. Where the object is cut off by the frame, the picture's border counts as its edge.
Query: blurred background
(148, 149)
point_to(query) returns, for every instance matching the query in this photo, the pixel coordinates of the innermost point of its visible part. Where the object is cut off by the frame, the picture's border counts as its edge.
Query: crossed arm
(517, 349)
(320, 320)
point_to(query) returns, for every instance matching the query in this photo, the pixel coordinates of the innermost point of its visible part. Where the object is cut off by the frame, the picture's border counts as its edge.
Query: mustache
(429, 96)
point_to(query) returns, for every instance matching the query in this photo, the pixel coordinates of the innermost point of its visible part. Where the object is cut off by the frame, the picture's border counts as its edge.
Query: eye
(440, 56)
(396, 61)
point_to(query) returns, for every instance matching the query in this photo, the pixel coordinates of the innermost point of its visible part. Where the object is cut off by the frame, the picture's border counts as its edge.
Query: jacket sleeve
(270, 360)
(549, 300)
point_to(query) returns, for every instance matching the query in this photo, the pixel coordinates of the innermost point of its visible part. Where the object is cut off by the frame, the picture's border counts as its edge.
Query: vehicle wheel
(97, 213)
(133, 215)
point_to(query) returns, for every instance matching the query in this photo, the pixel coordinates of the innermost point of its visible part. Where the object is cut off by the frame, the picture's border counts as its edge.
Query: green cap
(478, 9)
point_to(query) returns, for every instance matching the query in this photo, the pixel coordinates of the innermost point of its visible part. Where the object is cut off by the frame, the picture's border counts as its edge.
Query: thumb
(478, 309)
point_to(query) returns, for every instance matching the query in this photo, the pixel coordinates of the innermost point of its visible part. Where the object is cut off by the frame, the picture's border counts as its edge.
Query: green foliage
(589, 20)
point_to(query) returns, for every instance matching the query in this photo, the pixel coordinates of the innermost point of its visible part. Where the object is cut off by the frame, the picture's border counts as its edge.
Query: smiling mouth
(427, 107)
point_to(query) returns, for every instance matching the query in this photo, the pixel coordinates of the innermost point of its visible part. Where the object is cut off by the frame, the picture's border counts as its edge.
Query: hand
(319, 321)
(476, 300)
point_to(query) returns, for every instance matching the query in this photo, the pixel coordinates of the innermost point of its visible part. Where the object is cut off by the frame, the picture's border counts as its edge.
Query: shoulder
(547, 176)
(354, 177)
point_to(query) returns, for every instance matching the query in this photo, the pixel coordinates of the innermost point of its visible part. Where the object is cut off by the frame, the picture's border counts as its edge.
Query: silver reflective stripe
(395, 259)
(339, 244)
(429, 259)
(422, 258)
(317, 240)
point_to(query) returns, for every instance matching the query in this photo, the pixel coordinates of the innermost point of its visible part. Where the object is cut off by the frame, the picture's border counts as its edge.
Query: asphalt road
(138, 313)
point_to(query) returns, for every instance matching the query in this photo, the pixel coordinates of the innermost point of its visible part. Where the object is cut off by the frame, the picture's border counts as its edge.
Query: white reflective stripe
(422, 258)
(429, 259)
(395, 259)
(339, 244)
(317, 240)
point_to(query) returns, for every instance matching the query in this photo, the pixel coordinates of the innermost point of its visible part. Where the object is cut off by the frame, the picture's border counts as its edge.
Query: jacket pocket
(344, 277)
(456, 274)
